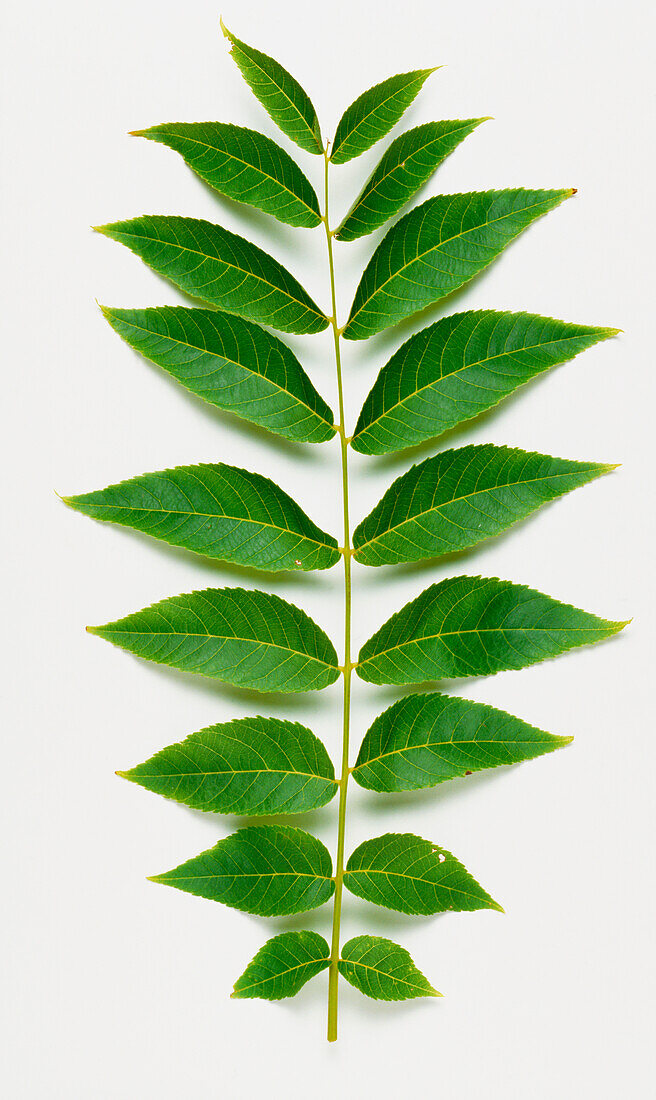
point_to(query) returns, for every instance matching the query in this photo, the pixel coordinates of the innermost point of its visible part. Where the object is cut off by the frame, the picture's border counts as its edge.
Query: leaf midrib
(349, 135)
(269, 77)
(439, 744)
(456, 500)
(233, 266)
(255, 168)
(437, 247)
(466, 366)
(280, 974)
(213, 515)
(477, 630)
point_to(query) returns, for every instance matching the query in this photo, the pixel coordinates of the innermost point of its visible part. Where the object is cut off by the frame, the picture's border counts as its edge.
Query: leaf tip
(137, 133)
(225, 30)
(572, 191)
(155, 878)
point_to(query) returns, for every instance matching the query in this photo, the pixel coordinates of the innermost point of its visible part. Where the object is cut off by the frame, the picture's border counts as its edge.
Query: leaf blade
(219, 511)
(244, 165)
(437, 248)
(220, 268)
(270, 870)
(461, 497)
(247, 766)
(408, 163)
(475, 626)
(459, 367)
(424, 740)
(382, 970)
(230, 363)
(374, 113)
(248, 638)
(279, 93)
(283, 965)
(403, 872)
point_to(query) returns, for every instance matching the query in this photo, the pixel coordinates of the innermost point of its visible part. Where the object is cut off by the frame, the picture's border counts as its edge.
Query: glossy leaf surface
(279, 93)
(408, 163)
(458, 368)
(220, 268)
(252, 639)
(243, 165)
(383, 970)
(403, 872)
(437, 248)
(475, 626)
(461, 497)
(216, 510)
(230, 363)
(247, 766)
(423, 740)
(283, 966)
(271, 870)
(373, 114)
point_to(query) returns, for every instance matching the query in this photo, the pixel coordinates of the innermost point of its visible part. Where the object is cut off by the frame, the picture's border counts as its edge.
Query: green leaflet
(410, 160)
(244, 165)
(252, 639)
(475, 626)
(247, 766)
(423, 740)
(383, 970)
(230, 363)
(216, 510)
(403, 872)
(458, 368)
(373, 114)
(271, 870)
(220, 268)
(437, 248)
(279, 93)
(461, 497)
(283, 966)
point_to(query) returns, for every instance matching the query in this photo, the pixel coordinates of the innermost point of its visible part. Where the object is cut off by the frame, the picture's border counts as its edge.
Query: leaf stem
(333, 976)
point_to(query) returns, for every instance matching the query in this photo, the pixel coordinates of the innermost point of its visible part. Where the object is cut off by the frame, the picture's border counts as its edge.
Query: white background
(117, 988)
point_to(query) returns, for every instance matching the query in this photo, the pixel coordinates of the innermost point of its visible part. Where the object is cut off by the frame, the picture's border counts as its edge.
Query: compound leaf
(475, 626)
(437, 248)
(383, 970)
(247, 766)
(373, 114)
(423, 740)
(243, 165)
(458, 368)
(283, 966)
(220, 268)
(410, 160)
(403, 872)
(231, 363)
(252, 639)
(216, 510)
(461, 497)
(279, 93)
(271, 870)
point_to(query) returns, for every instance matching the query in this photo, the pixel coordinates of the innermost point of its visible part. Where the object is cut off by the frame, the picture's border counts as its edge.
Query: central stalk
(333, 976)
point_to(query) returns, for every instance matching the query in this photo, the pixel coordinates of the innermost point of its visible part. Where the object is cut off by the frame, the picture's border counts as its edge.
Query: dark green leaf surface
(220, 268)
(216, 510)
(403, 872)
(279, 93)
(271, 870)
(247, 766)
(243, 165)
(437, 248)
(283, 966)
(383, 970)
(252, 639)
(458, 368)
(373, 114)
(410, 160)
(475, 626)
(461, 497)
(423, 740)
(230, 363)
